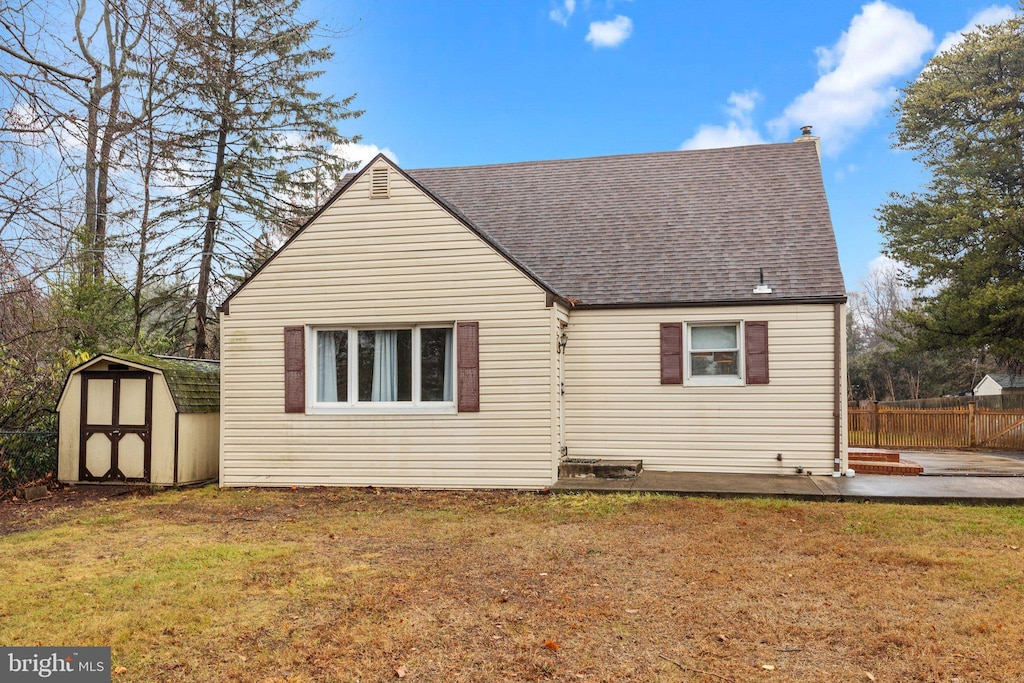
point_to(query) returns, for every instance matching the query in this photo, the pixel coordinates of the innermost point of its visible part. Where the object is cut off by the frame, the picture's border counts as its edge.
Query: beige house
(139, 419)
(472, 327)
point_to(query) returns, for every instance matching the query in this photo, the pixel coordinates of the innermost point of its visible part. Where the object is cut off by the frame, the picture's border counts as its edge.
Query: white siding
(988, 387)
(198, 440)
(616, 407)
(401, 260)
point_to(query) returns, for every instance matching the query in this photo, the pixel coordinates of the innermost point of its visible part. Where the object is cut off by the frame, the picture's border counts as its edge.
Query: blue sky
(460, 83)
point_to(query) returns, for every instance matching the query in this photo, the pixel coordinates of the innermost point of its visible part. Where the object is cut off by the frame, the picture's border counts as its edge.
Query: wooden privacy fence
(963, 426)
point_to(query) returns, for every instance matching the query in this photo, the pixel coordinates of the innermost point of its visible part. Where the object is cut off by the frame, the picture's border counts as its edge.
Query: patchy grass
(343, 585)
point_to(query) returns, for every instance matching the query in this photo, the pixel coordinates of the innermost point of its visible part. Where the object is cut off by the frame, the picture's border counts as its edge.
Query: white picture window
(390, 369)
(713, 353)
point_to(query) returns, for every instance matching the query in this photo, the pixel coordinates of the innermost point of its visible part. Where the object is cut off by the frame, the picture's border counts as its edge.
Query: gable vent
(380, 183)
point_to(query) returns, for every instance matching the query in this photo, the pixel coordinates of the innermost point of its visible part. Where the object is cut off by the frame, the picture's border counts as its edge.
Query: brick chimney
(805, 136)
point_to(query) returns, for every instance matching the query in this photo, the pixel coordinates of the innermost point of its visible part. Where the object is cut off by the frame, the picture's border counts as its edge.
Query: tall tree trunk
(201, 346)
(92, 134)
(103, 180)
(140, 270)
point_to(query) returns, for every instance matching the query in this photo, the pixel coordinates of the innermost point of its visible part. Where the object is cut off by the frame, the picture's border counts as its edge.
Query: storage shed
(144, 419)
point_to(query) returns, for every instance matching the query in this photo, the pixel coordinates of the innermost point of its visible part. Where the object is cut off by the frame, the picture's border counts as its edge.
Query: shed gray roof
(194, 384)
(1008, 381)
(661, 228)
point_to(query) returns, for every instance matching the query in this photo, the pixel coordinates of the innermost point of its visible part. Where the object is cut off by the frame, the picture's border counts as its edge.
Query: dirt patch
(18, 515)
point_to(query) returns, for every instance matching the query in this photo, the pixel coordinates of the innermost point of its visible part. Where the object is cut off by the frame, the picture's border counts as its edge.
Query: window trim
(737, 380)
(356, 407)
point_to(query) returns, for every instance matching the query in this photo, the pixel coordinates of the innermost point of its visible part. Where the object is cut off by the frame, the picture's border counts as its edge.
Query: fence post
(972, 430)
(875, 421)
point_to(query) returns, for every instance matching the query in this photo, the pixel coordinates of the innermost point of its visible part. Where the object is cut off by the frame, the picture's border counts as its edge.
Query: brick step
(599, 468)
(874, 456)
(881, 467)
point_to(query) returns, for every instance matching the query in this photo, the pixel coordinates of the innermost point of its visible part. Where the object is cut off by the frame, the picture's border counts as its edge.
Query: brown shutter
(671, 353)
(468, 335)
(295, 369)
(756, 343)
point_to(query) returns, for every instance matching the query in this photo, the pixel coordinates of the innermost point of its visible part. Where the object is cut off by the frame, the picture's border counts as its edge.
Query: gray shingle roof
(1008, 381)
(668, 227)
(194, 384)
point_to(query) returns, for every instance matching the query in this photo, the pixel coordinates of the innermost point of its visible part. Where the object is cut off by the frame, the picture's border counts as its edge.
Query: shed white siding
(615, 405)
(198, 441)
(69, 410)
(988, 387)
(396, 261)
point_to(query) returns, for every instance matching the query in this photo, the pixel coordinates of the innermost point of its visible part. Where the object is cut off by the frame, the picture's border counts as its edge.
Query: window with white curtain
(714, 353)
(401, 366)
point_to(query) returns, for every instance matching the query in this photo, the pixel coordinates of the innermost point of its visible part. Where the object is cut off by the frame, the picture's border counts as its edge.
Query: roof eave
(831, 299)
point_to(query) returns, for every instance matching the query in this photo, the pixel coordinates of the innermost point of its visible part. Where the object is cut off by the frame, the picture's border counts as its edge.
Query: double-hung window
(395, 368)
(713, 354)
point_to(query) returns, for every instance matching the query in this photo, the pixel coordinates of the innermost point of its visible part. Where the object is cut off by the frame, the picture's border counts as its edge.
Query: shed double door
(116, 426)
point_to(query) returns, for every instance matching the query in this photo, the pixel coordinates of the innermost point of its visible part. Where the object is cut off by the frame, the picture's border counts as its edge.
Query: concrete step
(905, 467)
(873, 455)
(599, 468)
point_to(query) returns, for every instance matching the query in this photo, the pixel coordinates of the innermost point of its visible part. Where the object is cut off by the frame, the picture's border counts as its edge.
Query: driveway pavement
(967, 463)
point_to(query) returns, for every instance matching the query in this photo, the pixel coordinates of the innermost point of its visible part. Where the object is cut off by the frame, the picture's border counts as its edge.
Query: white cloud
(883, 263)
(729, 135)
(361, 153)
(845, 171)
(742, 104)
(610, 33)
(856, 75)
(737, 132)
(561, 14)
(996, 14)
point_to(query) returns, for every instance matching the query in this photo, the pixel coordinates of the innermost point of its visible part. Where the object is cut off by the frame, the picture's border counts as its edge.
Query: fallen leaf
(870, 675)
(118, 670)
(400, 672)
(768, 667)
(550, 645)
(722, 638)
(632, 611)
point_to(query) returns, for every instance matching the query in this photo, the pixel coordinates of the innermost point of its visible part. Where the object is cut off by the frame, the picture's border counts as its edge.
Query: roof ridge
(632, 155)
(189, 360)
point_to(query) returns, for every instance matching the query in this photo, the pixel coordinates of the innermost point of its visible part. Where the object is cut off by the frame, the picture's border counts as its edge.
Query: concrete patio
(952, 463)
(999, 490)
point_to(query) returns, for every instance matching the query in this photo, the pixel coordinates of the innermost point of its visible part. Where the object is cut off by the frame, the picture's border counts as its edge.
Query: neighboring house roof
(1006, 380)
(194, 384)
(691, 227)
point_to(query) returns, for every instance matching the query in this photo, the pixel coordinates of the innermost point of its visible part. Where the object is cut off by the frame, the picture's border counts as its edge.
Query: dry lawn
(344, 585)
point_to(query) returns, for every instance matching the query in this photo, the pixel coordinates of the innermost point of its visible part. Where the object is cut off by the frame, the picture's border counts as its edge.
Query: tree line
(950, 307)
(152, 152)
